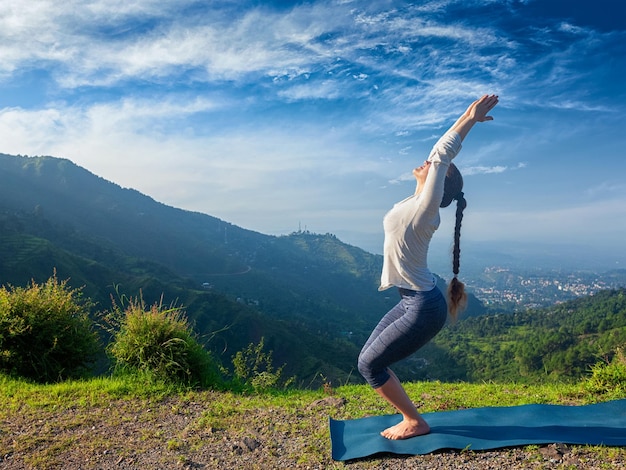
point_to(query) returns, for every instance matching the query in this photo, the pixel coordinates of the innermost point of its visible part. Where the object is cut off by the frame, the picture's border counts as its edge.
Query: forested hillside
(223, 324)
(558, 343)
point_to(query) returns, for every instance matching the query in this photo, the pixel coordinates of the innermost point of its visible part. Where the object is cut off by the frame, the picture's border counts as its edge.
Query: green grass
(59, 418)
(16, 393)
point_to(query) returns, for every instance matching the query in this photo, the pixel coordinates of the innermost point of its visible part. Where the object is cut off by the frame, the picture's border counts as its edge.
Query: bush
(609, 377)
(45, 332)
(160, 343)
(253, 367)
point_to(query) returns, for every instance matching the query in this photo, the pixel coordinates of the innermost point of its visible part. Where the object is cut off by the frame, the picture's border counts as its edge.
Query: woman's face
(421, 172)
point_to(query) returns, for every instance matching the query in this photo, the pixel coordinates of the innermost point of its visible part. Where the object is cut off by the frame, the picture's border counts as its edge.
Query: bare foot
(406, 429)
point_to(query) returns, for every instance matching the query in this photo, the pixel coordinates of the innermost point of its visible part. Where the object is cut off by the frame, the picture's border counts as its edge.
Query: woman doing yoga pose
(422, 310)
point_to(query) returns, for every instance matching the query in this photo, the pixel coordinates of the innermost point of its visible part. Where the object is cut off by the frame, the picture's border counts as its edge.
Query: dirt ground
(180, 434)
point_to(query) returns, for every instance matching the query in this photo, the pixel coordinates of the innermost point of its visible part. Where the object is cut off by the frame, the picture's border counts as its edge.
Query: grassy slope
(108, 421)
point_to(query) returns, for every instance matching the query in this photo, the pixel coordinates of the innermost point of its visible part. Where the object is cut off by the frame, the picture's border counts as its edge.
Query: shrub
(160, 343)
(609, 377)
(253, 367)
(46, 333)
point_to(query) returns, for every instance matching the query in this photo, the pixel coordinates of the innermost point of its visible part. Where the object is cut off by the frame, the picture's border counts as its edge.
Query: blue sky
(283, 115)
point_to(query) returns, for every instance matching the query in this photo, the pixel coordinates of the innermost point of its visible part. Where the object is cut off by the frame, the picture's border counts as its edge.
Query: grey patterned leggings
(408, 326)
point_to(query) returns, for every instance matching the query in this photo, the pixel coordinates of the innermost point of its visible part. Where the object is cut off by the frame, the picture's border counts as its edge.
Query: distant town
(520, 290)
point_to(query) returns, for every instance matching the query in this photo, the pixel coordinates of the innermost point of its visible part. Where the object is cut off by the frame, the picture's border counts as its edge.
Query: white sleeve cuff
(446, 148)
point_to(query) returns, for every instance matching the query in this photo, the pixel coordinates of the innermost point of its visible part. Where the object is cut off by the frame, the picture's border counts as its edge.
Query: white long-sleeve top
(411, 223)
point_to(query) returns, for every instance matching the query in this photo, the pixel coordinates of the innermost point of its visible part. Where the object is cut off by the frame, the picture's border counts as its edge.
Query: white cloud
(570, 28)
(404, 177)
(326, 90)
(257, 42)
(606, 188)
(476, 170)
(485, 170)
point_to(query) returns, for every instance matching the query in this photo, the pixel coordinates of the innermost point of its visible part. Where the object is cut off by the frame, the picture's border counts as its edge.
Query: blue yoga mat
(486, 428)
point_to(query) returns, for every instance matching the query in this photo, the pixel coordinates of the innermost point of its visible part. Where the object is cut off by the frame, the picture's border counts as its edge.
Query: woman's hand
(478, 110)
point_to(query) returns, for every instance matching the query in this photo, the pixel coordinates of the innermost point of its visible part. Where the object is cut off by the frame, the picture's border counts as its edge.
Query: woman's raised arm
(476, 112)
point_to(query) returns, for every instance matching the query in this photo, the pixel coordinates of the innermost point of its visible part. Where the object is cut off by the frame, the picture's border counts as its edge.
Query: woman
(422, 310)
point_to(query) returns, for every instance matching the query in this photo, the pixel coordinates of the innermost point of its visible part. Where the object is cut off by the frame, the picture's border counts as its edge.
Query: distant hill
(313, 297)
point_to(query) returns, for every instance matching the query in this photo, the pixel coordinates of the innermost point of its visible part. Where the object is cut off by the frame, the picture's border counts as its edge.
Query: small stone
(551, 453)
(251, 444)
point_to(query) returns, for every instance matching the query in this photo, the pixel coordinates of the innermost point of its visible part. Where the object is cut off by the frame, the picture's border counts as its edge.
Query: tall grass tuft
(609, 377)
(159, 343)
(46, 333)
(254, 368)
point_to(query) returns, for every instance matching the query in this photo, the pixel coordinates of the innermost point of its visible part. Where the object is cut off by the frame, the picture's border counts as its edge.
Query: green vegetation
(609, 378)
(160, 342)
(254, 367)
(46, 334)
(559, 343)
(45, 331)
